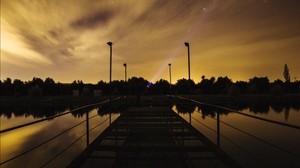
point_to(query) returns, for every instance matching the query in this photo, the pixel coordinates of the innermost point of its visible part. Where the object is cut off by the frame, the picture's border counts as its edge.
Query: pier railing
(185, 103)
(217, 131)
(117, 100)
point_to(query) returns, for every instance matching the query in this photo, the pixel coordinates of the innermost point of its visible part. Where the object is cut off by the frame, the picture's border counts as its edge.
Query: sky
(67, 39)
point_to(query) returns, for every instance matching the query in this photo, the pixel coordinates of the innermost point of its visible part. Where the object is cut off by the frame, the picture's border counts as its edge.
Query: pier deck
(152, 137)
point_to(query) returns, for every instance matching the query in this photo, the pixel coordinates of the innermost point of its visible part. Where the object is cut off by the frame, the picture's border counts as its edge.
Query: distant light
(149, 85)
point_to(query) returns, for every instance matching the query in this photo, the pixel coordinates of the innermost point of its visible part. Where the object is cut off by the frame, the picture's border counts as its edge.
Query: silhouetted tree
(278, 82)
(101, 85)
(49, 87)
(118, 87)
(207, 85)
(276, 90)
(222, 85)
(233, 91)
(242, 85)
(292, 87)
(182, 86)
(36, 82)
(77, 85)
(286, 73)
(262, 84)
(86, 92)
(35, 91)
(137, 87)
(19, 87)
(7, 87)
(160, 87)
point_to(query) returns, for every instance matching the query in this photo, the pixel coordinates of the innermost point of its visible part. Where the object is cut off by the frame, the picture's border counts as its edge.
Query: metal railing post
(87, 129)
(218, 129)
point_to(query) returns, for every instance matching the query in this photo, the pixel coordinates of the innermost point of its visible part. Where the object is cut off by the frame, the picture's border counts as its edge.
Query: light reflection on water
(20, 140)
(248, 151)
(257, 153)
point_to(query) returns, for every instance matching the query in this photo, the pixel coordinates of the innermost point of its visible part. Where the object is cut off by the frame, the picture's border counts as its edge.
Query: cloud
(147, 35)
(13, 49)
(92, 21)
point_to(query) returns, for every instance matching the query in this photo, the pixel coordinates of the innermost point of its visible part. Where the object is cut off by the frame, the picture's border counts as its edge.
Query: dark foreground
(152, 137)
(81, 100)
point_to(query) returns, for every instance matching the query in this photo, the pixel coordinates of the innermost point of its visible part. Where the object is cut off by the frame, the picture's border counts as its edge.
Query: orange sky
(66, 40)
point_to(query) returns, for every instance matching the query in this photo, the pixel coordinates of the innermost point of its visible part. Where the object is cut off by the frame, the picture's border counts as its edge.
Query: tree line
(138, 85)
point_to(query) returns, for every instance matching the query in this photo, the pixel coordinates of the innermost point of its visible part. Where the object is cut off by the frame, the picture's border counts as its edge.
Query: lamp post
(125, 66)
(110, 68)
(170, 79)
(189, 70)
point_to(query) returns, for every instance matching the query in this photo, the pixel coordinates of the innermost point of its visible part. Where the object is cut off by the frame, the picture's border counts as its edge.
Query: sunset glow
(66, 40)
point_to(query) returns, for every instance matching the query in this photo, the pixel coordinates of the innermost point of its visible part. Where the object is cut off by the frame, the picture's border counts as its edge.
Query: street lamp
(110, 67)
(125, 66)
(189, 71)
(170, 79)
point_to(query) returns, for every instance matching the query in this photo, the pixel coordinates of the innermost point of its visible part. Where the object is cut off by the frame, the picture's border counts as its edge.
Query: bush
(233, 91)
(86, 92)
(252, 89)
(35, 91)
(276, 90)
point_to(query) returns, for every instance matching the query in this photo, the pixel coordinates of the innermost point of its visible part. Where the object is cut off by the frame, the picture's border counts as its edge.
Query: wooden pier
(152, 137)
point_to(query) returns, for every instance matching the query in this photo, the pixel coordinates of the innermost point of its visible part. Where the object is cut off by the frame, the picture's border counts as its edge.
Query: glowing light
(149, 85)
(194, 29)
(12, 43)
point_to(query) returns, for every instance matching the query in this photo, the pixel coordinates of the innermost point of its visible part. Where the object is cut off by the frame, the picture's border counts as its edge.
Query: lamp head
(125, 64)
(109, 43)
(186, 44)
(169, 64)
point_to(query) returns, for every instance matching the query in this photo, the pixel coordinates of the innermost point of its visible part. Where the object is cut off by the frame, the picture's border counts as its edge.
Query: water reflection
(20, 140)
(39, 135)
(244, 147)
(39, 111)
(16, 142)
(253, 107)
(44, 111)
(185, 109)
(36, 111)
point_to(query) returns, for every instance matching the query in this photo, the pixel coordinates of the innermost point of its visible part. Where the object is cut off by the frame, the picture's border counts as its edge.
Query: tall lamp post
(125, 66)
(189, 70)
(110, 68)
(170, 79)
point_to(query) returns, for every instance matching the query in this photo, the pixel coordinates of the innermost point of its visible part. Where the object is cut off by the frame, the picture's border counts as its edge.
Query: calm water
(248, 151)
(244, 147)
(20, 140)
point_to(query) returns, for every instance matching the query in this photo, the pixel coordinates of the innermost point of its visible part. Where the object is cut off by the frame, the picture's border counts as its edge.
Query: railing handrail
(295, 155)
(59, 134)
(59, 115)
(241, 113)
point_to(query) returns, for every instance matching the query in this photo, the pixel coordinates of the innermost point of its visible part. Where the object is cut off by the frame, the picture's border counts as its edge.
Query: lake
(249, 141)
(18, 141)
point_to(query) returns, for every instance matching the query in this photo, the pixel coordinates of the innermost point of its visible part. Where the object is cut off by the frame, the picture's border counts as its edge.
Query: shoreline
(80, 100)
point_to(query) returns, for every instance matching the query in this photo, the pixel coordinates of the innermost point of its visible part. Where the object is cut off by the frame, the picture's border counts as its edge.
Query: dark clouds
(94, 20)
(148, 33)
(55, 45)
